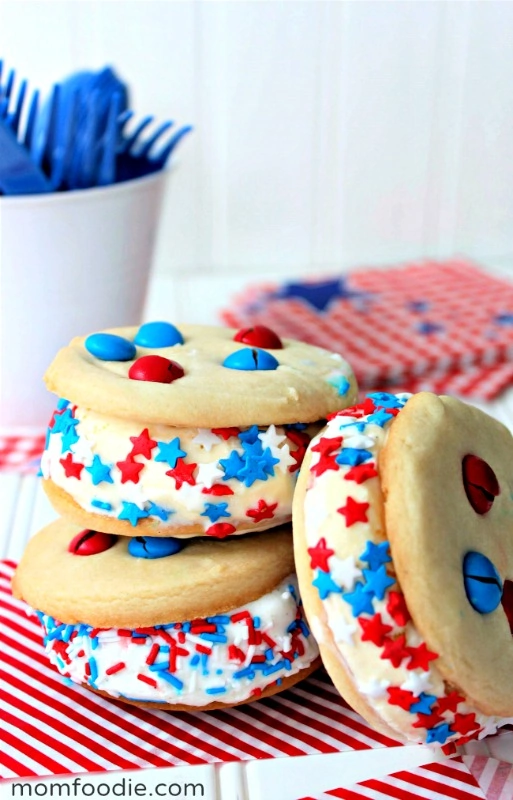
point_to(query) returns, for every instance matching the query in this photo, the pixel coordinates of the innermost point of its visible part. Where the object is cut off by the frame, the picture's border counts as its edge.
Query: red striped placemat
(21, 452)
(443, 326)
(48, 728)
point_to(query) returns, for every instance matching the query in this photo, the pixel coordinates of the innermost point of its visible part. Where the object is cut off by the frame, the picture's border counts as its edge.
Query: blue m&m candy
(158, 334)
(154, 546)
(483, 584)
(110, 347)
(250, 359)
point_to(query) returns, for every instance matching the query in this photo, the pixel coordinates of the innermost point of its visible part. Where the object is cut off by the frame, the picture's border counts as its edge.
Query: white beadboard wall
(327, 134)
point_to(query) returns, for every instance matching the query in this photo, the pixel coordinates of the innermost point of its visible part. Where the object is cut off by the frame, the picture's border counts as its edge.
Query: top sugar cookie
(201, 375)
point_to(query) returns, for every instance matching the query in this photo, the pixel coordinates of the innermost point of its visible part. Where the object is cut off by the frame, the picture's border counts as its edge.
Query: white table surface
(24, 509)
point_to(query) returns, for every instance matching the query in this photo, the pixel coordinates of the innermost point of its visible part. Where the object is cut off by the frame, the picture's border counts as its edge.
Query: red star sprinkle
(374, 630)
(464, 740)
(354, 512)
(298, 455)
(319, 555)
(464, 723)
(302, 440)
(395, 650)
(428, 720)
(218, 490)
(324, 464)
(450, 702)
(71, 468)
(130, 470)
(368, 406)
(226, 432)
(361, 473)
(142, 444)
(220, 530)
(396, 607)
(327, 446)
(262, 511)
(182, 473)
(420, 657)
(352, 411)
(400, 697)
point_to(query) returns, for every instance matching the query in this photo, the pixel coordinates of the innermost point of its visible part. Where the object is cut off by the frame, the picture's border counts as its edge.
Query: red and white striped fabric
(441, 326)
(21, 453)
(437, 781)
(48, 728)
(494, 777)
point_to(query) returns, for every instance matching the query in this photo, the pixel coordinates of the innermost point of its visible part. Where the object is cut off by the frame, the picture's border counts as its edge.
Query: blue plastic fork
(18, 173)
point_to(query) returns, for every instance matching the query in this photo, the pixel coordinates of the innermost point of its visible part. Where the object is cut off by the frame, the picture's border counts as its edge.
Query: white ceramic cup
(71, 263)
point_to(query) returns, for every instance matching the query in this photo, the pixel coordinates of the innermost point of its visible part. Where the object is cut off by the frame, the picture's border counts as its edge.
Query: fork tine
(130, 140)
(145, 149)
(13, 119)
(10, 83)
(4, 105)
(31, 120)
(161, 158)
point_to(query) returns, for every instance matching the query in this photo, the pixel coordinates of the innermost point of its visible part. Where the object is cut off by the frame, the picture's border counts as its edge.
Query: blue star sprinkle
(254, 469)
(359, 600)
(63, 422)
(377, 582)
(353, 456)
(376, 554)
(424, 704)
(62, 404)
(429, 327)
(250, 436)
(438, 734)
(385, 400)
(380, 417)
(69, 439)
(504, 318)
(155, 510)
(215, 511)
(360, 426)
(325, 585)
(100, 472)
(418, 306)
(341, 384)
(132, 513)
(170, 452)
(232, 465)
(321, 294)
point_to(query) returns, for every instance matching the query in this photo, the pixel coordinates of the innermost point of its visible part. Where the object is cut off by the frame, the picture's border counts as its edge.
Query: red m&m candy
(155, 369)
(480, 482)
(259, 336)
(90, 543)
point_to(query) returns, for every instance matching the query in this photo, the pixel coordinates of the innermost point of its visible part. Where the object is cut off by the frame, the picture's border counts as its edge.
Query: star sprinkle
(345, 572)
(249, 436)
(417, 683)
(232, 465)
(132, 513)
(64, 421)
(374, 630)
(218, 490)
(214, 511)
(271, 439)
(420, 657)
(143, 444)
(71, 468)
(155, 510)
(396, 607)
(262, 511)
(341, 630)
(438, 734)
(130, 470)
(170, 452)
(380, 417)
(182, 473)
(340, 384)
(324, 585)
(226, 433)
(69, 439)
(377, 581)
(319, 555)
(100, 472)
(464, 723)
(287, 461)
(321, 294)
(220, 530)
(351, 456)
(257, 468)
(428, 327)
(359, 600)
(427, 720)
(206, 439)
(361, 473)
(208, 474)
(450, 702)
(395, 650)
(383, 400)
(353, 511)
(401, 698)
(376, 554)
(326, 446)
(423, 704)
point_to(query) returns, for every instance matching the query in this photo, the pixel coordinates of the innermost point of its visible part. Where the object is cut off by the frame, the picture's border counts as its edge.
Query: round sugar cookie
(206, 376)
(401, 515)
(179, 625)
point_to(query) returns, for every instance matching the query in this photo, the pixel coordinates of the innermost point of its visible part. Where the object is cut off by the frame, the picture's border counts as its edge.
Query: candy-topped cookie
(402, 530)
(168, 623)
(189, 431)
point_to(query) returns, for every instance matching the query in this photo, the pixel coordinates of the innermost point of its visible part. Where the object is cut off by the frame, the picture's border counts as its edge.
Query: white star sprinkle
(270, 438)
(344, 571)
(417, 682)
(206, 439)
(375, 687)
(208, 474)
(83, 451)
(358, 440)
(342, 631)
(286, 460)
